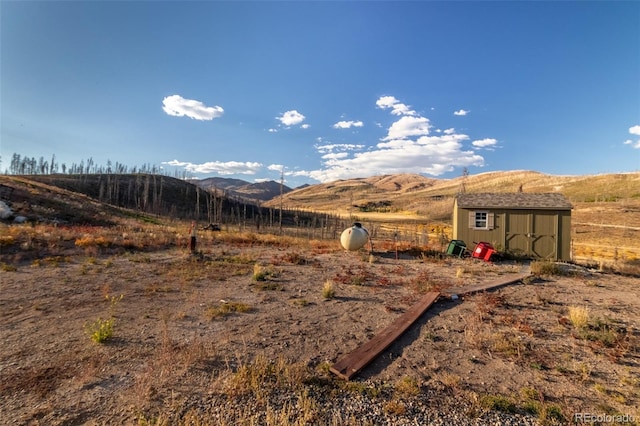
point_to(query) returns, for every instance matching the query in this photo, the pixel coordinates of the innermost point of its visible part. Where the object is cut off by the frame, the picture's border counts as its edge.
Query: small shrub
(552, 413)
(407, 386)
(362, 388)
(226, 308)
(499, 403)
(328, 290)
(259, 273)
(450, 380)
(531, 407)
(530, 393)
(545, 268)
(579, 316)
(100, 330)
(263, 273)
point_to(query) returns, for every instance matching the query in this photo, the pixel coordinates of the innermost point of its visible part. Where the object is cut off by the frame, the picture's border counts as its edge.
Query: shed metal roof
(515, 200)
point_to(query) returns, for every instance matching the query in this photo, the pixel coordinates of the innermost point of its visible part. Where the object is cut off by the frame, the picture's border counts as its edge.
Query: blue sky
(324, 90)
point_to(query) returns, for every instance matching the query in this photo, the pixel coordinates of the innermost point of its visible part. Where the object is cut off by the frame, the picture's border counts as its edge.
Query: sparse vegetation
(177, 362)
(264, 273)
(328, 290)
(407, 386)
(579, 316)
(225, 308)
(499, 403)
(100, 330)
(546, 268)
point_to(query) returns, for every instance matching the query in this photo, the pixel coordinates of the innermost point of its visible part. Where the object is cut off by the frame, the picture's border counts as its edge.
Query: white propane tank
(354, 238)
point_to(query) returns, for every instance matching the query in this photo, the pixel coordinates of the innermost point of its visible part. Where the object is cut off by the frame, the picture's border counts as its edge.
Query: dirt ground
(173, 339)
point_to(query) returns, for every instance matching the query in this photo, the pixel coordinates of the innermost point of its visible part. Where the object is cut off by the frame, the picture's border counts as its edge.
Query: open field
(108, 319)
(244, 333)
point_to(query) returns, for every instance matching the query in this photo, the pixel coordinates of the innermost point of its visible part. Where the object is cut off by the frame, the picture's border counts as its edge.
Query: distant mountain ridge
(259, 191)
(414, 194)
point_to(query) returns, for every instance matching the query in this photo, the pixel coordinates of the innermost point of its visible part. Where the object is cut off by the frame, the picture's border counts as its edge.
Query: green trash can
(456, 248)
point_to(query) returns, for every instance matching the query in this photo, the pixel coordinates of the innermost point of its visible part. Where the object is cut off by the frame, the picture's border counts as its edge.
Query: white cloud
(347, 124)
(178, 106)
(408, 126)
(635, 130)
(335, 155)
(291, 118)
(433, 155)
(305, 126)
(338, 147)
(461, 112)
(397, 108)
(297, 173)
(272, 130)
(408, 147)
(484, 143)
(222, 168)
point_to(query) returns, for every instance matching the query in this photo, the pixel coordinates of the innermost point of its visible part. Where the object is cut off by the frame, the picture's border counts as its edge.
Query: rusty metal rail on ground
(353, 362)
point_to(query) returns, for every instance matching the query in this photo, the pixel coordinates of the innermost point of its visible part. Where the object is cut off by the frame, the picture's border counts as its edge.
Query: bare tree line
(149, 189)
(24, 165)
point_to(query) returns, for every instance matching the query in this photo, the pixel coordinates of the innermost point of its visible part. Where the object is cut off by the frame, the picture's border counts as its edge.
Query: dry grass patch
(264, 272)
(407, 386)
(579, 316)
(257, 376)
(328, 290)
(546, 268)
(225, 308)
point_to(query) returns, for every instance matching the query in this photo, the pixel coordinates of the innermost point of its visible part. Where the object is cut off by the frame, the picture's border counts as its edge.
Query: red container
(487, 256)
(483, 251)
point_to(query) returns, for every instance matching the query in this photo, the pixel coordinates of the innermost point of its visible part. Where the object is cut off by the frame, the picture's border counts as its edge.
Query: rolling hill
(415, 196)
(238, 188)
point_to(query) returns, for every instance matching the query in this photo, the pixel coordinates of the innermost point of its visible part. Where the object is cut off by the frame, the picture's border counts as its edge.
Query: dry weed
(579, 316)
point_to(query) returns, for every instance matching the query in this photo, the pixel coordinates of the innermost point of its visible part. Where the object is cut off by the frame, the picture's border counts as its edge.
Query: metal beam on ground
(356, 360)
(353, 362)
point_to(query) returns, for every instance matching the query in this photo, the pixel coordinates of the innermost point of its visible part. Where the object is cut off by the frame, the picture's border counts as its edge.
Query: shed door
(544, 235)
(517, 229)
(531, 233)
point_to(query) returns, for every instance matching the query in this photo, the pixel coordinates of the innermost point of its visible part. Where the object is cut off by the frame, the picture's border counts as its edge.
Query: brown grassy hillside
(606, 215)
(415, 194)
(605, 219)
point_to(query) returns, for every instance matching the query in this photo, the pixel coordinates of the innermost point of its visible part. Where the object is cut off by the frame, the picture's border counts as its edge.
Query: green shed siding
(539, 233)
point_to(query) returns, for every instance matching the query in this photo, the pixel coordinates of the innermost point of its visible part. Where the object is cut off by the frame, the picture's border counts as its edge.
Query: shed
(537, 225)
